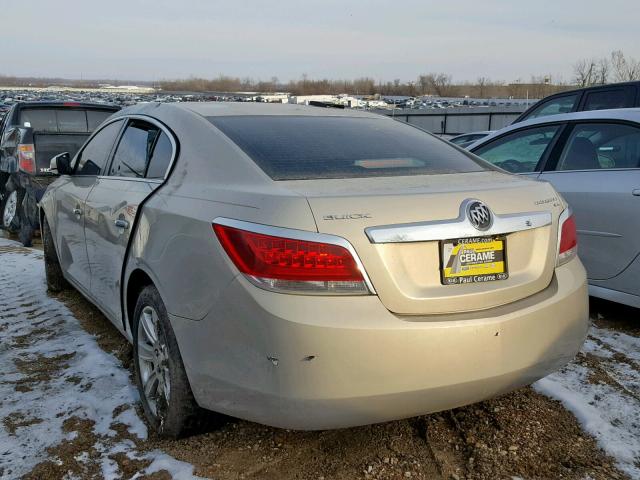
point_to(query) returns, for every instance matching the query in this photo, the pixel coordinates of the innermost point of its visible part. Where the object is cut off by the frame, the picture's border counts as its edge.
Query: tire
(11, 208)
(28, 217)
(53, 272)
(26, 235)
(170, 407)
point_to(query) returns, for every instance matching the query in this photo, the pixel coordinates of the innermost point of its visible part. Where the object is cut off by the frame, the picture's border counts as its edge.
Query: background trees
(616, 67)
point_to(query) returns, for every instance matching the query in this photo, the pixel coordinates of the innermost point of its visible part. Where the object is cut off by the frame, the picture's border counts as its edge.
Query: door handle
(77, 211)
(121, 224)
(636, 192)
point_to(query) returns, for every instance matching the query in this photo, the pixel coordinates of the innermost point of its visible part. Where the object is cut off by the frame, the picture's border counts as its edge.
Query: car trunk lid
(397, 224)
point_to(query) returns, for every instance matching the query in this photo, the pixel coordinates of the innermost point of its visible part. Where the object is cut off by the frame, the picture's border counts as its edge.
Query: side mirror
(61, 164)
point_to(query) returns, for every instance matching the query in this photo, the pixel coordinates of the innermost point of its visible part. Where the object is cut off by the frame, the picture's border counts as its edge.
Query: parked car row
(115, 97)
(422, 103)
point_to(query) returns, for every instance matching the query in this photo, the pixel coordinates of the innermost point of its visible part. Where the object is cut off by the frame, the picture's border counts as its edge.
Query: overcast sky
(163, 39)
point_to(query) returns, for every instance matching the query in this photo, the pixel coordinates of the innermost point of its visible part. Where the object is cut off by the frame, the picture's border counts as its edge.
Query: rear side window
(93, 158)
(134, 150)
(161, 157)
(602, 100)
(596, 146)
(306, 147)
(554, 106)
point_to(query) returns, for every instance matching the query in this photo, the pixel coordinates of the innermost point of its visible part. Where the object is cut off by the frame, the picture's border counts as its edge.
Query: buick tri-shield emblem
(479, 215)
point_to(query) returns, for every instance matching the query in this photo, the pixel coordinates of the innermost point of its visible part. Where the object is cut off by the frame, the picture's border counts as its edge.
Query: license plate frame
(480, 266)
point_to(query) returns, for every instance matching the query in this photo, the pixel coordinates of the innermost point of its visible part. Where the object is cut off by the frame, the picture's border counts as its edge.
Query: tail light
(567, 237)
(292, 261)
(27, 158)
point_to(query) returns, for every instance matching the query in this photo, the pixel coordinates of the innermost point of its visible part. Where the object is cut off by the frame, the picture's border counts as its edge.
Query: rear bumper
(329, 362)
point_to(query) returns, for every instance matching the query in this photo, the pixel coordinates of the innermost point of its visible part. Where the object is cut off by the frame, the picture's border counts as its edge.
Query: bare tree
(482, 83)
(602, 71)
(585, 72)
(423, 83)
(438, 83)
(624, 69)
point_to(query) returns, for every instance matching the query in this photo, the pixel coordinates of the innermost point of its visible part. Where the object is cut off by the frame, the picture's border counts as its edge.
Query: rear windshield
(300, 147)
(62, 120)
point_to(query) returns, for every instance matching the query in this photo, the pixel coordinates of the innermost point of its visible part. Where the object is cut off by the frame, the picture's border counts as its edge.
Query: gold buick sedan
(312, 268)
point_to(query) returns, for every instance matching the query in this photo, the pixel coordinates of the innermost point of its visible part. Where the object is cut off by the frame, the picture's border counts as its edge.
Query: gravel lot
(68, 409)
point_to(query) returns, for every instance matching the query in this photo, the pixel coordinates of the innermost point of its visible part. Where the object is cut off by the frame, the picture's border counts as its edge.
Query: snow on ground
(53, 375)
(602, 389)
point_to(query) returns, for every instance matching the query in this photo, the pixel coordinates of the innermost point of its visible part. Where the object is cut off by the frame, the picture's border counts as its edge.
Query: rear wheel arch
(137, 281)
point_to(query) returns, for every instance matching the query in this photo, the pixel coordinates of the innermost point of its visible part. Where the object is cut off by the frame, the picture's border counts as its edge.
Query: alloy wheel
(153, 361)
(10, 208)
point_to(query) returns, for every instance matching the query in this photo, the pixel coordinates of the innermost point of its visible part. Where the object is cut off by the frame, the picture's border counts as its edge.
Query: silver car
(593, 160)
(312, 268)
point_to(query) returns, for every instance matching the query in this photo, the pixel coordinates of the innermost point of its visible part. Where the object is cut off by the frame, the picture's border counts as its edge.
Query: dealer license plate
(473, 260)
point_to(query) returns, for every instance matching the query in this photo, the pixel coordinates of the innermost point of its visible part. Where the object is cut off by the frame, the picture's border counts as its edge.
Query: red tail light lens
(568, 238)
(292, 265)
(27, 158)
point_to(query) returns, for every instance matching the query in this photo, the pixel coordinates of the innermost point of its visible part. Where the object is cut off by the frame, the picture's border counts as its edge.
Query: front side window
(596, 146)
(601, 100)
(314, 147)
(92, 160)
(521, 151)
(134, 150)
(554, 106)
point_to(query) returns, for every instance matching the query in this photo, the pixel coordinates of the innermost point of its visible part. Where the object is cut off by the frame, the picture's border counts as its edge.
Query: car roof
(69, 104)
(220, 109)
(628, 114)
(576, 91)
(595, 87)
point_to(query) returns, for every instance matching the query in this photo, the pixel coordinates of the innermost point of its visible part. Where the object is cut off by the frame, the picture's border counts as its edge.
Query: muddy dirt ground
(521, 434)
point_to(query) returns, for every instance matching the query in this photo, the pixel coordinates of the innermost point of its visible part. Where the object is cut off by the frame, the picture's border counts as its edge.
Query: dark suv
(31, 133)
(603, 97)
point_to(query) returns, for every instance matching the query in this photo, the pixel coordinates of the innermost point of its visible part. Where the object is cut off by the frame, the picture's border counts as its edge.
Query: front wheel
(53, 272)
(162, 382)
